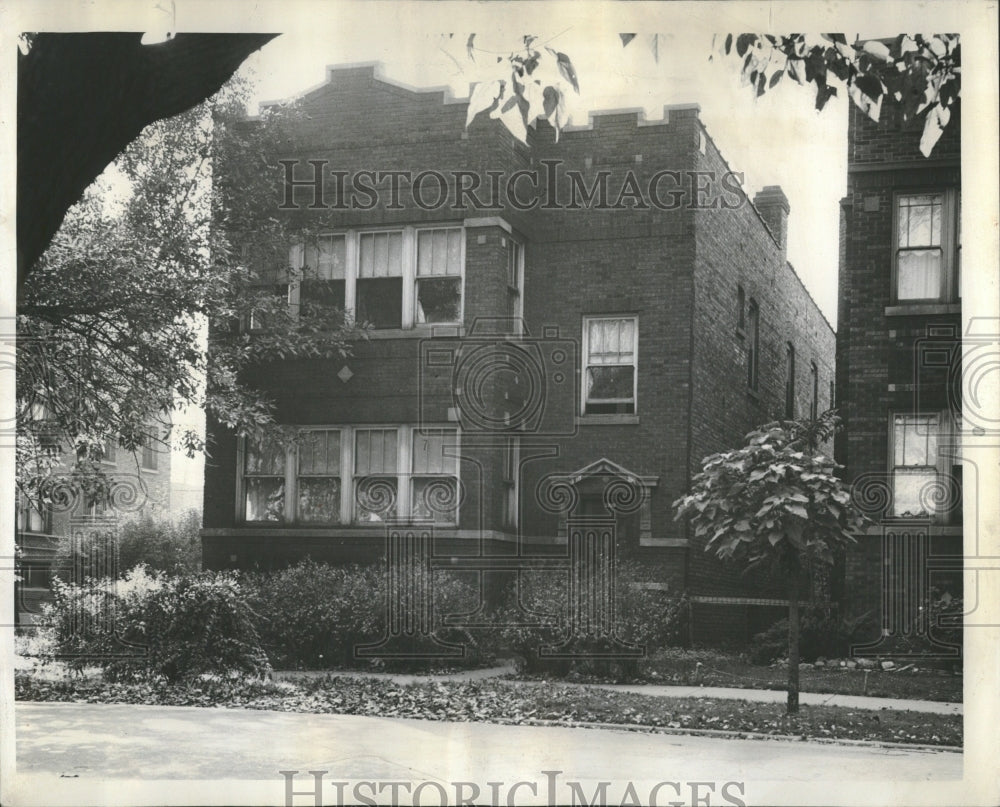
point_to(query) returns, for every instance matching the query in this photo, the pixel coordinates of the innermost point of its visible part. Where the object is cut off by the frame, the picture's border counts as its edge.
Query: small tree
(775, 504)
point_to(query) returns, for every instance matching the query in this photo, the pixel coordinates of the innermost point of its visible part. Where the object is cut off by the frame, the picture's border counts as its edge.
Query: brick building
(138, 483)
(568, 338)
(899, 366)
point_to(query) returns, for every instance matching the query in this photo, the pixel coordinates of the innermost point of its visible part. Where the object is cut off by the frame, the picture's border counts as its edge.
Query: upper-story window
(926, 254)
(386, 278)
(150, 456)
(789, 380)
(610, 358)
(741, 304)
(353, 474)
(515, 286)
(924, 481)
(814, 378)
(753, 343)
(439, 275)
(322, 271)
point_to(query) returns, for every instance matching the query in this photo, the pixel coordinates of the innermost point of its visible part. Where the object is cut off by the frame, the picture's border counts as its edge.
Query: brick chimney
(773, 206)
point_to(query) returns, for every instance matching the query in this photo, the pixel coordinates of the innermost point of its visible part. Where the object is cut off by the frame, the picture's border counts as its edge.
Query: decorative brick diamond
(345, 374)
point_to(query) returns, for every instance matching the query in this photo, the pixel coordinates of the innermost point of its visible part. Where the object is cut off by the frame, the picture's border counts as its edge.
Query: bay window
(353, 474)
(389, 279)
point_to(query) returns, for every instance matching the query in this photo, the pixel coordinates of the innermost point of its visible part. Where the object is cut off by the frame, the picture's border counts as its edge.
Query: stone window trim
(403, 478)
(612, 473)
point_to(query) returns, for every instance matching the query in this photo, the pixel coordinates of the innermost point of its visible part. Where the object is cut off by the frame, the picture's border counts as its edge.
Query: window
(789, 380)
(264, 480)
(434, 482)
(281, 291)
(740, 311)
(380, 279)
(317, 485)
(32, 516)
(515, 283)
(609, 360)
(321, 272)
(814, 376)
(376, 469)
(386, 278)
(753, 343)
(150, 456)
(109, 451)
(922, 481)
(439, 275)
(926, 251)
(511, 464)
(342, 475)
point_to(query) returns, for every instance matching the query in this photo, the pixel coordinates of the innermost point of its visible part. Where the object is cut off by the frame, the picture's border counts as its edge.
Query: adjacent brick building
(538, 359)
(138, 483)
(899, 366)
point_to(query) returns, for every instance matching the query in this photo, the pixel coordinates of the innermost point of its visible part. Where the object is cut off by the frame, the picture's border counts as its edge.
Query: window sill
(607, 420)
(435, 331)
(922, 309)
(752, 393)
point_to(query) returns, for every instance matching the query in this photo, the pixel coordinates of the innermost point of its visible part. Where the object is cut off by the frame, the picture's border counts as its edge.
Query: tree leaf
(775, 78)
(744, 42)
(485, 95)
(626, 38)
(566, 68)
(470, 47)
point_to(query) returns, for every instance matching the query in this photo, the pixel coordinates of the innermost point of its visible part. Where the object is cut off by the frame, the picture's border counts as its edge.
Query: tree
(775, 504)
(111, 326)
(82, 98)
(922, 75)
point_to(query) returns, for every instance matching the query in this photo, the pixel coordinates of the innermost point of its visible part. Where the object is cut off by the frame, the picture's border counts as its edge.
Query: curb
(733, 735)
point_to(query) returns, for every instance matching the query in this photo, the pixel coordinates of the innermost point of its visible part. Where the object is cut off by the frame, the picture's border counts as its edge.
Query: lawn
(511, 702)
(710, 668)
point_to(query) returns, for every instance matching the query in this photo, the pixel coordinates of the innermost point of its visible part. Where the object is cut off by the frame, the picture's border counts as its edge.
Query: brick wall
(878, 370)
(675, 269)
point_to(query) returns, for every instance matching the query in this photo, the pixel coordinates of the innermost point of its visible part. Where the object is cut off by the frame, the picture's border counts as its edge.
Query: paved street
(64, 749)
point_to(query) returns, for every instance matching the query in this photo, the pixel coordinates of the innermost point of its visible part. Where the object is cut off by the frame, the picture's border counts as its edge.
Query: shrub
(156, 625)
(652, 619)
(161, 545)
(312, 615)
(823, 632)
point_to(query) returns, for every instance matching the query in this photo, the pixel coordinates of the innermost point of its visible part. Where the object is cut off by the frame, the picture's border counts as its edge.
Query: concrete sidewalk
(81, 753)
(661, 691)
